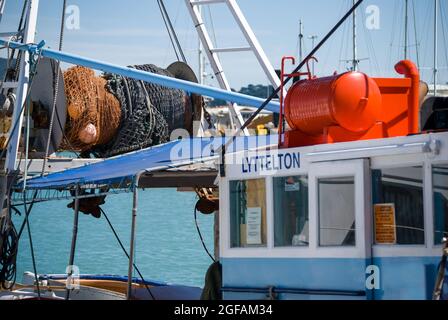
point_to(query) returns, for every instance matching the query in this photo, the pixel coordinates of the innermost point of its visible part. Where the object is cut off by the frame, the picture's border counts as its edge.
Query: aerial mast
(201, 55)
(436, 13)
(406, 25)
(300, 40)
(355, 61)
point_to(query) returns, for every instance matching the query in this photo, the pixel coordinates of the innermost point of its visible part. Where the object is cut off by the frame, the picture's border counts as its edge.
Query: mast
(313, 39)
(436, 13)
(2, 8)
(355, 61)
(300, 40)
(406, 25)
(200, 56)
(22, 90)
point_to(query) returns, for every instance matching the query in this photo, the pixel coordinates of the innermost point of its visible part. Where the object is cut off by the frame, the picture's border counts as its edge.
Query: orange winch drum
(350, 100)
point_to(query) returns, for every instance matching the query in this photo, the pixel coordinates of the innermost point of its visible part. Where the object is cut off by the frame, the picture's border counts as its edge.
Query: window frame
(291, 247)
(389, 162)
(228, 235)
(431, 205)
(425, 216)
(359, 170)
(353, 177)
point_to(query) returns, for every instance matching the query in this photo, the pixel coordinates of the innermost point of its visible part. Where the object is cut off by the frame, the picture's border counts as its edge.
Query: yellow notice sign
(385, 231)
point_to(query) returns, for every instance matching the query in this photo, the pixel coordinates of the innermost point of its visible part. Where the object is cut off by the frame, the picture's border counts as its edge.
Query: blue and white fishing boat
(348, 201)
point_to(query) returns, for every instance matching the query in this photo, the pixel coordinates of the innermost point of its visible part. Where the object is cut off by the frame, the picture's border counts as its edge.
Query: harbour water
(168, 248)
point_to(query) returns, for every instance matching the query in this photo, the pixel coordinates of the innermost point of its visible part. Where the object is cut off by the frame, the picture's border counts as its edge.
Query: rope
(200, 233)
(56, 90)
(126, 253)
(8, 254)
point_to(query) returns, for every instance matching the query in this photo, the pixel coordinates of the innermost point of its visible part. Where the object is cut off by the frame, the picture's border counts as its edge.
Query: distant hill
(258, 90)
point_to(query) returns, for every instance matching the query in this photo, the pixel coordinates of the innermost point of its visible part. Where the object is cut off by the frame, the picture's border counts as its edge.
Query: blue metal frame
(142, 75)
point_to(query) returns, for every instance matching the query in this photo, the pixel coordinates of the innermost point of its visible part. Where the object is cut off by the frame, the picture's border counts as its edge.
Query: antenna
(406, 26)
(300, 40)
(313, 39)
(355, 61)
(436, 13)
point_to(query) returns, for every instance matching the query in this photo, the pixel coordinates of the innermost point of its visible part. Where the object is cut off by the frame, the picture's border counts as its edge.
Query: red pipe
(409, 70)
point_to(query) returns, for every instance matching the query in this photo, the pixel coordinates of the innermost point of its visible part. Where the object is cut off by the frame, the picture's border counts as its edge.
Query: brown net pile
(94, 113)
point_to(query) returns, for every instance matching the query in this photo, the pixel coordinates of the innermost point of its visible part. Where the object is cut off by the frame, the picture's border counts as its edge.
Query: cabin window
(337, 211)
(398, 206)
(440, 195)
(248, 213)
(291, 211)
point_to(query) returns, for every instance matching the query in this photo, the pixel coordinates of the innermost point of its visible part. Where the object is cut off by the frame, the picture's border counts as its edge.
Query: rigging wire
(200, 233)
(20, 29)
(330, 47)
(212, 24)
(392, 35)
(417, 42)
(171, 32)
(33, 257)
(275, 93)
(443, 21)
(56, 89)
(341, 51)
(167, 28)
(427, 30)
(400, 33)
(125, 252)
(371, 50)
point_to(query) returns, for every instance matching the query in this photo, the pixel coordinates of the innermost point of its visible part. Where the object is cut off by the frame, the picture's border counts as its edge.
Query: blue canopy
(161, 157)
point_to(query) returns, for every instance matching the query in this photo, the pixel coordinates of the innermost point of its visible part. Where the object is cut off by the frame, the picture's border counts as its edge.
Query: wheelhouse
(355, 220)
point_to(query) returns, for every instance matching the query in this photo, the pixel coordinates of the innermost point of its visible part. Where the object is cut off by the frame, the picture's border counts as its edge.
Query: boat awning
(125, 168)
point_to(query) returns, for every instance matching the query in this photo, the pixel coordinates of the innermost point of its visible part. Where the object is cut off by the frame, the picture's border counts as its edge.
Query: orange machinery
(349, 107)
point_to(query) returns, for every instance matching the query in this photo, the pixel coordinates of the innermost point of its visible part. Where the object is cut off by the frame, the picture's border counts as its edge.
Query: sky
(132, 32)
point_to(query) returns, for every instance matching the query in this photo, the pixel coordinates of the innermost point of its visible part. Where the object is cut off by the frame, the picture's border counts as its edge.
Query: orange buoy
(351, 100)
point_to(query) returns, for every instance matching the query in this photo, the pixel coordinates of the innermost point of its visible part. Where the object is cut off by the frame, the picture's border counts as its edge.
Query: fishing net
(94, 113)
(111, 115)
(149, 112)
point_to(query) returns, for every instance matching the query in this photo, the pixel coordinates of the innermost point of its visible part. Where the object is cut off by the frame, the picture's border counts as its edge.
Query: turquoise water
(167, 244)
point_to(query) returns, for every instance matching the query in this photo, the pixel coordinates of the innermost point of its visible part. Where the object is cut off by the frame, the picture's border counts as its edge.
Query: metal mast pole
(200, 55)
(436, 13)
(355, 61)
(74, 239)
(406, 26)
(132, 245)
(313, 38)
(2, 8)
(22, 90)
(21, 93)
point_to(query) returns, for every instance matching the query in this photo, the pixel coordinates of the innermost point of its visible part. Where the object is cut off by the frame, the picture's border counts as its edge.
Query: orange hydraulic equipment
(349, 107)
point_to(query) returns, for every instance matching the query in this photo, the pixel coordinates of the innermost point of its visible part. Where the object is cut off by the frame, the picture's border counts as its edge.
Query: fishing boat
(348, 201)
